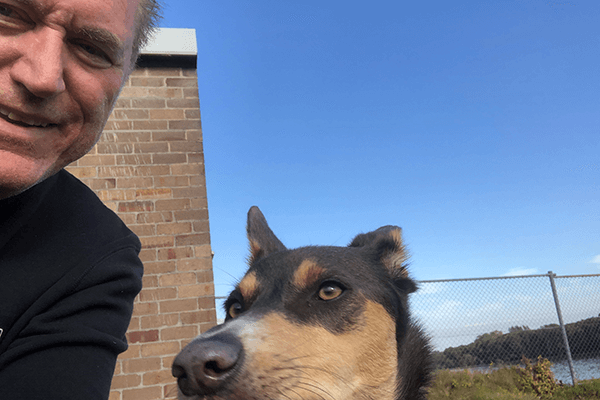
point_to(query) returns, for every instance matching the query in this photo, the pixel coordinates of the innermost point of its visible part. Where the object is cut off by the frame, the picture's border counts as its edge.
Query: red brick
(191, 93)
(134, 182)
(116, 125)
(133, 351)
(171, 306)
(197, 317)
(146, 82)
(151, 392)
(136, 206)
(172, 205)
(130, 114)
(184, 124)
(143, 230)
(200, 226)
(150, 125)
(186, 147)
(114, 395)
(180, 332)
(158, 377)
(125, 381)
(104, 159)
(172, 181)
(83, 172)
(206, 303)
(186, 278)
(133, 159)
(159, 321)
(149, 281)
(143, 336)
(158, 147)
(154, 217)
(186, 240)
(192, 114)
(181, 82)
(159, 267)
(183, 103)
(163, 72)
(194, 264)
(203, 251)
(168, 136)
(114, 195)
(158, 294)
(148, 103)
(148, 255)
(170, 113)
(97, 184)
(194, 291)
(174, 229)
(177, 253)
(153, 193)
(169, 158)
(140, 365)
(186, 215)
(169, 93)
(187, 169)
(170, 392)
(189, 192)
(145, 309)
(156, 241)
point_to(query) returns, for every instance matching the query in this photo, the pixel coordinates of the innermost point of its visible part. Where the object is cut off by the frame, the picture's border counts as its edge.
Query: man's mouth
(22, 121)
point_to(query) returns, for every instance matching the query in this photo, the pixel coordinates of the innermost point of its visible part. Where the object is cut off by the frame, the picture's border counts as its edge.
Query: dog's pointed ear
(262, 239)
(386, 245)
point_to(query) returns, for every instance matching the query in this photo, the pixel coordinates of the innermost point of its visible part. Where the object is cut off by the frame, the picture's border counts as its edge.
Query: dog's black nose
(206, 365)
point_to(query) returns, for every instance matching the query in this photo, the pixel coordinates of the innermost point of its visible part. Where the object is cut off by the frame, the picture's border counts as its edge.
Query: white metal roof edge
(172, 41)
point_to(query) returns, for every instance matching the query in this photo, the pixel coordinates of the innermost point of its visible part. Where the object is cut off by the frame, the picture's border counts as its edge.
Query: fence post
(551, 275)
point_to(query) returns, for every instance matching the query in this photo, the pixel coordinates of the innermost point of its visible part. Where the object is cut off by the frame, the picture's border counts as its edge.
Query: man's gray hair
(146, 20)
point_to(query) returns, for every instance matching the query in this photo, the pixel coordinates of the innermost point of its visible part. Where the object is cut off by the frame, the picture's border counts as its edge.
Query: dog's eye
(235, 309)
(329, 291)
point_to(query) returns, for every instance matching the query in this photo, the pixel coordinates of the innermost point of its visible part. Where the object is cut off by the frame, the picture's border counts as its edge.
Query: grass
(532, 382)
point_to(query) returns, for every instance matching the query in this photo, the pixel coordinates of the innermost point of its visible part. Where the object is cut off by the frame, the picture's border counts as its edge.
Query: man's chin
(18, 173)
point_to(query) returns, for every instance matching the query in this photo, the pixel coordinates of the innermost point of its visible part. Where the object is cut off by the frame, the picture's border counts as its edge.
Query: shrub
(537, 378)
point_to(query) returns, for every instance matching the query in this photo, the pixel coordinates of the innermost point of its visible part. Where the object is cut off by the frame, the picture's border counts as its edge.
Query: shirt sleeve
(69, 350)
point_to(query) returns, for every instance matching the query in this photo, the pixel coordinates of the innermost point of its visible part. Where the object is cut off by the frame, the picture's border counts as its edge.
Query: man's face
(62, 66)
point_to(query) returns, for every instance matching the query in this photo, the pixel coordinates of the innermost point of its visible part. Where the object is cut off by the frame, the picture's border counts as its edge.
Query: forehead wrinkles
(107, 19)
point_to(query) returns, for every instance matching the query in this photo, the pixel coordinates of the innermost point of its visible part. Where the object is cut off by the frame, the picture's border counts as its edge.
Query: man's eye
(93, 54)
(6, 11)
(11, 18)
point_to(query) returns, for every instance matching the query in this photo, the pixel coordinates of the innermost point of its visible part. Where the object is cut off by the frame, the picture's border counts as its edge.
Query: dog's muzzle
(206, 365)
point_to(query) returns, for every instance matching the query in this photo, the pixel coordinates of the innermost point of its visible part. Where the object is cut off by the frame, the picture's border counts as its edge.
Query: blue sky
(475, 126)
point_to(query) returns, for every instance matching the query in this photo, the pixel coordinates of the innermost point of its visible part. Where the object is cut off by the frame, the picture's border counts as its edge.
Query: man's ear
(386, 246)
(262, 239)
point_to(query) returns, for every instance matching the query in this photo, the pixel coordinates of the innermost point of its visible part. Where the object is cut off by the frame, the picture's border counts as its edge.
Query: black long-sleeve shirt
(69, 272)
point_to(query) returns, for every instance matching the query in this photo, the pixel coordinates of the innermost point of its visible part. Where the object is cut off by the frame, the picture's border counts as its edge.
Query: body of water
(584, 369)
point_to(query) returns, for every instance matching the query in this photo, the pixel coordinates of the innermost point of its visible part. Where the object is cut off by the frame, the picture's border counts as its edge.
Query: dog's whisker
(301, 367)
(315, 387)
(283, 394)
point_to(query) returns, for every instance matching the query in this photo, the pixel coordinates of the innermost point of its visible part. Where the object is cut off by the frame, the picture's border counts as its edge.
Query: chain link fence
(475, 323)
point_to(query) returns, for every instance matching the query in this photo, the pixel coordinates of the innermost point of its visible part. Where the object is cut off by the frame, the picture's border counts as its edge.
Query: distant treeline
(509, 348)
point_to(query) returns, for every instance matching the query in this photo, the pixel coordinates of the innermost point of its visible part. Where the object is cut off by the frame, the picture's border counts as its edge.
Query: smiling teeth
(11, 116)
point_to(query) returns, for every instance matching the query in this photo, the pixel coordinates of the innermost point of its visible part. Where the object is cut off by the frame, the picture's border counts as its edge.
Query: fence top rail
(507, 277)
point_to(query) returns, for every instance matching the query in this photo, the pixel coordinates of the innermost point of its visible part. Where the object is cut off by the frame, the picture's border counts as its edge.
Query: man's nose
(40, 67)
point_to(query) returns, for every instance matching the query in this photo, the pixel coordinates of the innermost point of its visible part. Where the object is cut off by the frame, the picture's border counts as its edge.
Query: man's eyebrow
(103, 38)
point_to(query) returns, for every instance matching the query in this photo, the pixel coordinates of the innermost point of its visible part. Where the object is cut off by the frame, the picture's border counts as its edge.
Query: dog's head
(309, 323)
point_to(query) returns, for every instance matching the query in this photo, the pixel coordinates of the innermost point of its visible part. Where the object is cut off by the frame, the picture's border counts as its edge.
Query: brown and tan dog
(313, 323)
